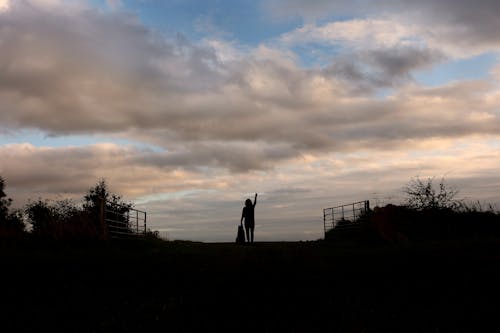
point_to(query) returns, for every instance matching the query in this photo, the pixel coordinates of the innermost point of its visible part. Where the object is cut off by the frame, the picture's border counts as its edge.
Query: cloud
(459, 28)
(72, 170)
(4, 5)
(368, 33)
(84, 71)
(196, 205)
(368, 70)
(114, 4)
(369, 54)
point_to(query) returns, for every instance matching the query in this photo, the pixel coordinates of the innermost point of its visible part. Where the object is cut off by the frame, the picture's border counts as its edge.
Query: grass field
(343, 286)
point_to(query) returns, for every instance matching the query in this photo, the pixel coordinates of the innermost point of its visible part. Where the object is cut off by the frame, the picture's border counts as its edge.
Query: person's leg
(251, 233)
(247, 229)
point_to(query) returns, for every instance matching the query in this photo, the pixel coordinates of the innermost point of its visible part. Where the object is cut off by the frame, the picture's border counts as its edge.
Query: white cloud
(4, 5)
(365, 33)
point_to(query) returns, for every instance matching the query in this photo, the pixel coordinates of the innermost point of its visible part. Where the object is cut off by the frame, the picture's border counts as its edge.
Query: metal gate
(344, 216)
(122, 220)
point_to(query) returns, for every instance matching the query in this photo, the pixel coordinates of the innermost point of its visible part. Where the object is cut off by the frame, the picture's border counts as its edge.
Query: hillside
(289, 287)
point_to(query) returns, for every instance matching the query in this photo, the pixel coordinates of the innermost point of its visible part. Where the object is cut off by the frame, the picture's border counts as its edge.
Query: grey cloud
(232, 156)
(467, 23)
(369, 70)
(89, 71)
(460, 22)
(68, 170)
(67, 71)
(399, 62)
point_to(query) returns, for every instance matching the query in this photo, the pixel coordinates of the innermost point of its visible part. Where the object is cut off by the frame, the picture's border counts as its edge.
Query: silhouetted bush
(99, 213)
(424, 195)
(116, 209)
(429, 213)
(11, 222)
(400, 223)
(152, 234)
(60, 220)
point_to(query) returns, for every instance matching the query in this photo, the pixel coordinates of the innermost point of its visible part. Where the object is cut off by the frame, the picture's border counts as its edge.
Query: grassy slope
(269, 287)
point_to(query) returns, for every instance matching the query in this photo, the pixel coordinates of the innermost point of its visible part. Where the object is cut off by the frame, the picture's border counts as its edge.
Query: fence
(123, 221)
(344, 216)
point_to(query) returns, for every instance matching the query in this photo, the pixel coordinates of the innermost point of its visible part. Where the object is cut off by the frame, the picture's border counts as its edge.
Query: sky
(187, 108)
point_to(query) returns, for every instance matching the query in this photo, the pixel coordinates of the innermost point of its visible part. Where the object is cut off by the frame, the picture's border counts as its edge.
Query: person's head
(248, 202)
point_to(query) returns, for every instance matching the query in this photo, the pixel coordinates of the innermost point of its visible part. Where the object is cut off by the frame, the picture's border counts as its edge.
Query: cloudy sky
(188, 107)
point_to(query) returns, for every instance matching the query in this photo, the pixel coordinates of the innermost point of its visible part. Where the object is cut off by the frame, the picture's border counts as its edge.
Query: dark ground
(132, 286)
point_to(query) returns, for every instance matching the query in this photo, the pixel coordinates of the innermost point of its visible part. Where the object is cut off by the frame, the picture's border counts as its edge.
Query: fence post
(102, 218)
(324, 221)
(137, 221)
(128, 220)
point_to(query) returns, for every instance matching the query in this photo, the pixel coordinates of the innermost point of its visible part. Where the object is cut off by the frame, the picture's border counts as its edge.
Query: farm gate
(344, 216)
(122, 220)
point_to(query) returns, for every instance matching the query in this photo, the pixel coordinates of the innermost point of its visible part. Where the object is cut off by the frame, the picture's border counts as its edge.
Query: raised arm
(255, 200)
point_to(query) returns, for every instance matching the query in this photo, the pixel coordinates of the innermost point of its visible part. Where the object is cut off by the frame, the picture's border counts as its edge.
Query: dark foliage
(429, 213)
(66, 220)
(423, 195)
(139, 286)
(11, 222)
(152, 234)
(115, 208)
(400, 223)
(60, 220)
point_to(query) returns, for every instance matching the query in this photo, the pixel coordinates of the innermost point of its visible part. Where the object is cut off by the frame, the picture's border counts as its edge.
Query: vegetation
(424, 195)
(65, 219)
(11, 223)
(61, 220)
(146, 286)
(429, 213)
(116, 209)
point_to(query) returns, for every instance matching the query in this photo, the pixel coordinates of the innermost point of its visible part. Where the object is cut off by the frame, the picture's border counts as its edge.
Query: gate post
(102, 218)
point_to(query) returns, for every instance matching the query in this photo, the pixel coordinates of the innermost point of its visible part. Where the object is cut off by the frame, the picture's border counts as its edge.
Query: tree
(423, 195)
(116, 209)
(4, 201)
(60, 220)
(100, 191)
(43, 218)
(11, 222)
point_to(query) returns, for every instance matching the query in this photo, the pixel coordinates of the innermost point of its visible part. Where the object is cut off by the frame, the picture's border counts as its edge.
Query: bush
(11, 222)
(117, 209)
(60, 220)
(423, 195)
(401, 223)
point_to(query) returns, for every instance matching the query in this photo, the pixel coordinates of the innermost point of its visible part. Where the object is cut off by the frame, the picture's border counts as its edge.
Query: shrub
(60, 220)
(11, 222)
(423, 195)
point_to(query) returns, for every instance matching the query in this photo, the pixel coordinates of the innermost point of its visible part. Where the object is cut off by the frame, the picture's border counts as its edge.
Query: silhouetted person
(248, 215)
